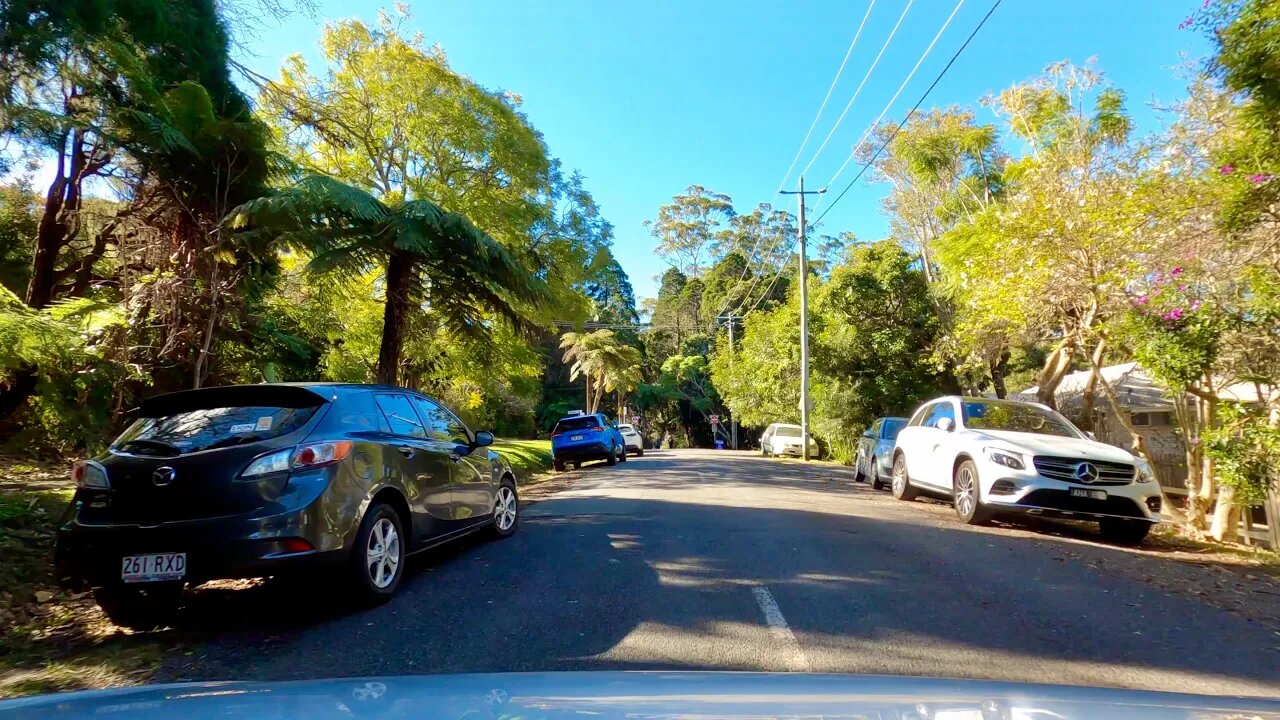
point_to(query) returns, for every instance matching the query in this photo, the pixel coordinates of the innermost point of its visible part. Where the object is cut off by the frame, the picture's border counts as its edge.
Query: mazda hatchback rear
(250, 481)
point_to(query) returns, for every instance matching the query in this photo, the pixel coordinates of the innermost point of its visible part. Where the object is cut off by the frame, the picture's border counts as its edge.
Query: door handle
(406, 451)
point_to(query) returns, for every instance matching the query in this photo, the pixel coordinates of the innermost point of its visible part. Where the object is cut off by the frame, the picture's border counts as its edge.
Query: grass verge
(528, 458)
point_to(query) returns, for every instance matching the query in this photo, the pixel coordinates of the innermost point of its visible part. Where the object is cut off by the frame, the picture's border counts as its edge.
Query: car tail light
(596, 428)
(89, 474)
(311, 455)
(320, 454)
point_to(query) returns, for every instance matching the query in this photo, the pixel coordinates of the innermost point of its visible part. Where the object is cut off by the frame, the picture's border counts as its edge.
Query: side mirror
(484, 438)
(1091, 435)
(945, 424)
(868, 434)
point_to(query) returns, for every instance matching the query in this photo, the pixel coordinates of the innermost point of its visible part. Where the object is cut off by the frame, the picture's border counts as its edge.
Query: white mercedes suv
(1001, 455)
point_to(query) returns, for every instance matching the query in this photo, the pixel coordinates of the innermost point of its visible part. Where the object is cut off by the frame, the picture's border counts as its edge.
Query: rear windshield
(577, 423)
(625, 427)
(891, 427)
(209, 428)
(786, 431)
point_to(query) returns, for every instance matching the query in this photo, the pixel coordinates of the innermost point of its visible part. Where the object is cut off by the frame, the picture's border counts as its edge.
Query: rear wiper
(159, 445)
(234, 440)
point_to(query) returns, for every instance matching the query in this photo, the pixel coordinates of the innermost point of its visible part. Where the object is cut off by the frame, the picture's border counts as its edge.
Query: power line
(901, 87)
(866, 77)
(830, 90)
(913, 110)
(800, 150)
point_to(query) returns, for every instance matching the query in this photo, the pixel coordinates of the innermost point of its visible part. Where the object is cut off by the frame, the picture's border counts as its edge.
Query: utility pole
(733, 419)
(804, 321)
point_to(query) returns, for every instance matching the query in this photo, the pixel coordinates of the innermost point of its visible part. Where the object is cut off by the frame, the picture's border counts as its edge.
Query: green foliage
(688, 228)
(18, 221)
(1174, 333)
(874, 345)
(1244, 447)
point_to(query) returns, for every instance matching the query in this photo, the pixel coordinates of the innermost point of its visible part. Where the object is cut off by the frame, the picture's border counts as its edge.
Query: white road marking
(789, 650)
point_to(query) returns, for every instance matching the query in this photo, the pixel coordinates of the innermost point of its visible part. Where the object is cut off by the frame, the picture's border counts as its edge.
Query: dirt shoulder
(50, 639)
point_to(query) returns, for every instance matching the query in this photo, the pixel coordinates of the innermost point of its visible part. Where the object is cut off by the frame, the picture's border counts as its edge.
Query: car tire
(506, 509)
(612, 457)
(901, 483)
(1124, 532)
(140, 608)
(966, 495)
(876, 482)
(559, 465)
(380, 539)
(577, 466)
(640, 452)
(858, 475)
(622, 454)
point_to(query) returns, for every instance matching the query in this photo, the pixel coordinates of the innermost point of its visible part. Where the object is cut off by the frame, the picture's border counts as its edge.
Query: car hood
(538, 696)
(1033, 444)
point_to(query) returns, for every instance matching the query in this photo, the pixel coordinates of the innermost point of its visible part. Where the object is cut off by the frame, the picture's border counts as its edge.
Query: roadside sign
(715, 419)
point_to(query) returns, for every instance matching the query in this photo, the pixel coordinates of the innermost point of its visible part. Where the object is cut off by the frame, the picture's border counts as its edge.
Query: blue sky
(646, 98)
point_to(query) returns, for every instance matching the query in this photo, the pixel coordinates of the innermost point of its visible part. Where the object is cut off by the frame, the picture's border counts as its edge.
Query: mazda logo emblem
(163, 476)
(1086, 472)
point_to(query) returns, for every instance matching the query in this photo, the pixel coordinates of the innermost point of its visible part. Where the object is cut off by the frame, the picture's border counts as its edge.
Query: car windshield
(787, 431)
(1015, 417)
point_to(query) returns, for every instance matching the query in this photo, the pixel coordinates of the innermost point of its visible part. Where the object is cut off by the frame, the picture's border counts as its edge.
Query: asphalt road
(706, 560)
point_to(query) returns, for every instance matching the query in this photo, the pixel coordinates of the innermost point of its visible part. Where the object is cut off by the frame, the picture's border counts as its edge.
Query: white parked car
(992, 455)
(784, 439)
(633, 440)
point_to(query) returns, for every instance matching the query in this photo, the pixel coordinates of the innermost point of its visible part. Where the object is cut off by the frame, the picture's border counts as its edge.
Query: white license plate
(1091, 494)
(575, 437)
(153, 568)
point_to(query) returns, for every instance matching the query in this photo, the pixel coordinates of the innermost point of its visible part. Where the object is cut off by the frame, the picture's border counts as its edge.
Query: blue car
(875, 451)
(579, 438)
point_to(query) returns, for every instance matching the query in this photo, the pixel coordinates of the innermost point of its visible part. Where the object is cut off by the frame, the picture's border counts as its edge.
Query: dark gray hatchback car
(259, 480)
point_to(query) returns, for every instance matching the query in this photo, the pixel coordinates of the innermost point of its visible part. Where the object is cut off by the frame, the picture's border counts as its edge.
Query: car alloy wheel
(382, 554)
(901, 484)
(504, 510)
(965, 492)
(967, 497)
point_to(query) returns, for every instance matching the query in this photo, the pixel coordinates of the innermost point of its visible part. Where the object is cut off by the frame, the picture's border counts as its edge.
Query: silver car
(874, 459)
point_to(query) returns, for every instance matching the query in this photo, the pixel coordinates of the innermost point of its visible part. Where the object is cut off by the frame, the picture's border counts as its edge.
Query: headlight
(1145, 474)
(1008, 460)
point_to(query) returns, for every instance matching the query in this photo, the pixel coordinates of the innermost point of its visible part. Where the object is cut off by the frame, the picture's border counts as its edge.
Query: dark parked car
(579, 438)
(257, 480)
(874, 461)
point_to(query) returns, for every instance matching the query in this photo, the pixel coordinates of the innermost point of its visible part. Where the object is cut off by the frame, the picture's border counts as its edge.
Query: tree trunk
(50, 237)
(1226, 516)
(997, 368)
(1139, 443)
(1091, 387)
(395, 316)
(1187, 412)
(1055, 368)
